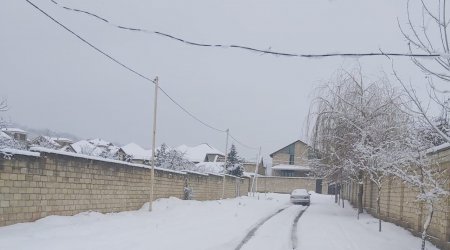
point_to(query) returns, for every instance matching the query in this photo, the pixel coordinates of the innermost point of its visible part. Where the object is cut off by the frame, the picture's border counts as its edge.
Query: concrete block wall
(32, 187)
(275, 184)
(399, 205)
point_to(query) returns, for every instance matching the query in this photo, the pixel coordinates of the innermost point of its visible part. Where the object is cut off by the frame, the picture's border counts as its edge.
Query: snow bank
(173, 224)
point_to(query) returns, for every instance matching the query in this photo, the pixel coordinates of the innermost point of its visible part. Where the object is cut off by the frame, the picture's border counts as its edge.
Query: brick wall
(54, 184)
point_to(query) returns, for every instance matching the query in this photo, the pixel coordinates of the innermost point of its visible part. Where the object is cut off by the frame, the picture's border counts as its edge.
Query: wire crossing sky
(138, 74)
(262, 98)
(242, 47)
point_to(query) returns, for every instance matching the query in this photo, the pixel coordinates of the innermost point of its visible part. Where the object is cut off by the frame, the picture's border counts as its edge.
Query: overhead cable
(247, 48)
(124, 66)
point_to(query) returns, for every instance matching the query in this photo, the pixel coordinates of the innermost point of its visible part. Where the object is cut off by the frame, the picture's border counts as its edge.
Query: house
(46, 142)
(51, 142)
(201, 153)
(207, 159)
(250, 167)
(100, 143)
(93, 147)
(16, 134)
(85, 147)
(291, 160)
(134, 153)
(64, 142)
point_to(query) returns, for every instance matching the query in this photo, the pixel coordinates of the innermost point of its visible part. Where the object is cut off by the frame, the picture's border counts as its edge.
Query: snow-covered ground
(177, 224)
(327, 226)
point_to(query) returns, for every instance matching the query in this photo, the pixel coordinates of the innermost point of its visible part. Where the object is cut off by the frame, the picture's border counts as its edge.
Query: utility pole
(152, 178)
(255, 188)
(225, 165)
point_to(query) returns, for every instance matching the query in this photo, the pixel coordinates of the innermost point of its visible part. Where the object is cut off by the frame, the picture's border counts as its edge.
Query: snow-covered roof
(210, 167)
(271, 155)
(48, 140)
(4, 135)
(99, 142)
(14, 130)
(137, 152)
(198, 153)
(291, 167)
(85, 147)
(62, 139)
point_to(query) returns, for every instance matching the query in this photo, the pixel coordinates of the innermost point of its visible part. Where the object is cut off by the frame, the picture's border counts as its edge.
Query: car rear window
(300, 191)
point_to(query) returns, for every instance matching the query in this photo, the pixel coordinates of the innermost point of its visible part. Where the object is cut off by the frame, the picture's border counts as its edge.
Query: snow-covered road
(176, 224)
(276, 233)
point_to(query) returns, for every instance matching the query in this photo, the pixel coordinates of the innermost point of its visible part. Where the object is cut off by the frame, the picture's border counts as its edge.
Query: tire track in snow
(294, 238)
(251, 233)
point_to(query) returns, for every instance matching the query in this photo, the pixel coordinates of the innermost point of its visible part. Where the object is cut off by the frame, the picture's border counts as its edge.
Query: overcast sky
(53, 81)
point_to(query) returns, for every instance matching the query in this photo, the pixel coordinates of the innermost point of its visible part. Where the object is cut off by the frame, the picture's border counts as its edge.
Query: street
(241, 223)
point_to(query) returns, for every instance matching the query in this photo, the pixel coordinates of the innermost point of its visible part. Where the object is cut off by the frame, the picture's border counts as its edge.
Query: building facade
(291, 160)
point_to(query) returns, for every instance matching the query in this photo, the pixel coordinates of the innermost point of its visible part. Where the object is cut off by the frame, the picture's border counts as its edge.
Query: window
(291, 159)
(287, 173)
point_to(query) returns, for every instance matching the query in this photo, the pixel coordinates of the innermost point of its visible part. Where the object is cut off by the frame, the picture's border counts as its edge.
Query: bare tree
(426, 31)
(343, 121)
(172, 159)
(429, 34)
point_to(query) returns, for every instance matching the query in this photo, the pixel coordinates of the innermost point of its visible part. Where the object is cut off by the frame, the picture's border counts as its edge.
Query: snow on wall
(51, 182)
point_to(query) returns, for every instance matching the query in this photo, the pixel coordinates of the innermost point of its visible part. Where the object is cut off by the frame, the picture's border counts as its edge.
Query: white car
(301, 196)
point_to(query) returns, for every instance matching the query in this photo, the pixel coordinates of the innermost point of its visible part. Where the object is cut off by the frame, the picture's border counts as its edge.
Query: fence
(276, 184)
(399, 204)
(35, 185)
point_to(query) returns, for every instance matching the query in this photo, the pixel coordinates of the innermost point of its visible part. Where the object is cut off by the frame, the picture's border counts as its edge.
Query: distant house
(51, 142)
(16, 134)
(134, 153)
(207, 159)
(86, 148)
(250, 168)
(46, 142)
(291, 160)
(93, 147)
(64, 142)
(201, 153)
(100, 143)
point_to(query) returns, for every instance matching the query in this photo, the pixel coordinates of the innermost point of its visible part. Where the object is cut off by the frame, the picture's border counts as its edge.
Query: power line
(241, 47)
(242, 144)
(134, 72)
(124, 66)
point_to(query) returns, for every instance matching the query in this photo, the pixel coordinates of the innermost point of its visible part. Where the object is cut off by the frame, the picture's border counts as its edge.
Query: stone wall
(32, 187)
(275, 184)
(399, 205)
